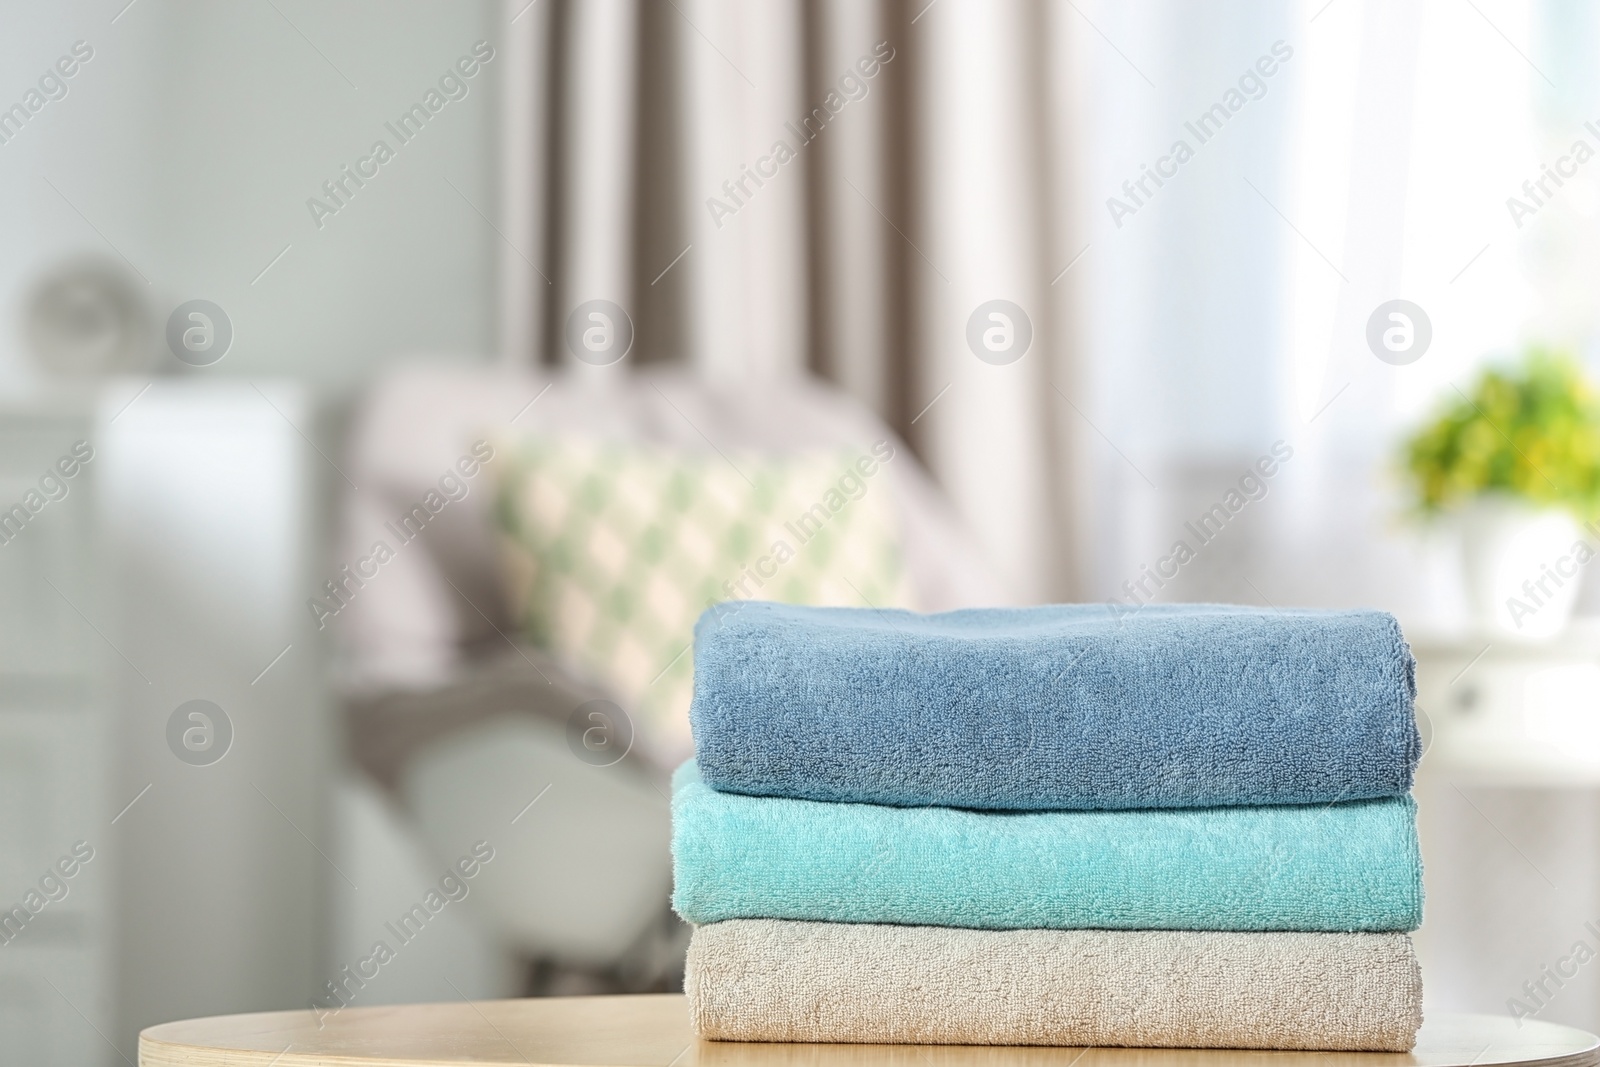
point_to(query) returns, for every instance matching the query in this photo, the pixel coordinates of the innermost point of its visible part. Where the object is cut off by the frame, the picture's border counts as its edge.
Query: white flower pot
(1524, 566)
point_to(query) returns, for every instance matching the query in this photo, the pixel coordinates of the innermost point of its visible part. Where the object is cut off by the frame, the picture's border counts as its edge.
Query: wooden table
(653, 1031)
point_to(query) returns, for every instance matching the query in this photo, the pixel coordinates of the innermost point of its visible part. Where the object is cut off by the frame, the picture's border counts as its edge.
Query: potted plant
(1516, 462)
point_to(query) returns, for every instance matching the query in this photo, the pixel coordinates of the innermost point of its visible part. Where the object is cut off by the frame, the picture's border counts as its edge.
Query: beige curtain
(776, 188)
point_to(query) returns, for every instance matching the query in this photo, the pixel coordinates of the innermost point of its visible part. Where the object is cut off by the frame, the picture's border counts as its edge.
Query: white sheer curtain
(1229, 311)
(1416, 122)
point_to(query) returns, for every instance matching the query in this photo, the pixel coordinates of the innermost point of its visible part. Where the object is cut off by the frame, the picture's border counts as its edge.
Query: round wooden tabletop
(653, 1031)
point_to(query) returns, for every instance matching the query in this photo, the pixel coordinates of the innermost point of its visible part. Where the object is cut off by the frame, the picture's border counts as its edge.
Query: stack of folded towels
(1190, 827)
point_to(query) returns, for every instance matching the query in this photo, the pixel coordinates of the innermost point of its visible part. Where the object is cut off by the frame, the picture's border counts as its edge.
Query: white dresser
(174, 569)
(1508, 805)
(56, 724)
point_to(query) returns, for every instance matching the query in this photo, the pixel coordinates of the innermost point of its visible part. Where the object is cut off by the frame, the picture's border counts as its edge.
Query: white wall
(192, 140)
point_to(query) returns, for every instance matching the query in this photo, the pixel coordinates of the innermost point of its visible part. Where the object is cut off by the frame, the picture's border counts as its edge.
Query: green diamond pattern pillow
(614, 550)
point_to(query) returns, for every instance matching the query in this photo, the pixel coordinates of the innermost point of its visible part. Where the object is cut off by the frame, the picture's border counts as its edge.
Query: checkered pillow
(614, 550)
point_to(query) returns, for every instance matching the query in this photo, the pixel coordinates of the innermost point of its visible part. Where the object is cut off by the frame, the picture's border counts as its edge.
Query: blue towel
(1063, 707)
(1330, 867)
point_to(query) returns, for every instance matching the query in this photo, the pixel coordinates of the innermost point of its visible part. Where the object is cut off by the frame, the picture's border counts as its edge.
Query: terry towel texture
(763, 980)
(1352, 866)
(1062, 707)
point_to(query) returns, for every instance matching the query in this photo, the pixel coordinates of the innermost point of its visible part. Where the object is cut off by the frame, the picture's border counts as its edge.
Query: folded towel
(1171, 706)
(1351, 866)
(763, 980)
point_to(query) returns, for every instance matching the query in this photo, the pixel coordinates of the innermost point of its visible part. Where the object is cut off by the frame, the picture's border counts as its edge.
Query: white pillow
(613, 550)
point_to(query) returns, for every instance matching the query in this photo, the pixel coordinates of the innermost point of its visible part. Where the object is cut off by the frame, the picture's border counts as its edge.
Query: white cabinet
(175, 568)
(56, 943)
(1508, 806)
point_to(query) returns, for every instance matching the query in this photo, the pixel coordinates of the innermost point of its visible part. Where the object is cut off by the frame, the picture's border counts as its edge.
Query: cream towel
(775, 980)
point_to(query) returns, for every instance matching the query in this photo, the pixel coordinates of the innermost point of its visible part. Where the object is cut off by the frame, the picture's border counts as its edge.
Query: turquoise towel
(1331, 867)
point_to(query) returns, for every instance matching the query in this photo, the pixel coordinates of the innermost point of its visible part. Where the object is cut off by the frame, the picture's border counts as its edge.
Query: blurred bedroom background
(385, 388)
